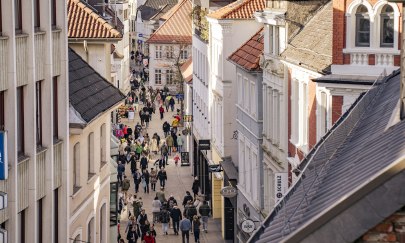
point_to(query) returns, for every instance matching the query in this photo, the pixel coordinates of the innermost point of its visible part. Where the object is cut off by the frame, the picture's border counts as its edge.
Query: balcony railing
(56, 52)
(359, 58)
(21, 42)
(3, 63)
(41, 174)
(383, 59)
(23, 184)
(57, 166)
(39, 43)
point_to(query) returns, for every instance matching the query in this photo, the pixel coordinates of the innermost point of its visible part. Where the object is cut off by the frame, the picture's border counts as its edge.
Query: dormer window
(362, 27)
(387, 27)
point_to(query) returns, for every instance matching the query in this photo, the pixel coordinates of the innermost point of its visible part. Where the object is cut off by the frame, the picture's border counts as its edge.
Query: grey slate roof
(312, 47)
(345, 79)
(352, 179)
(152, 8)
(89, 93)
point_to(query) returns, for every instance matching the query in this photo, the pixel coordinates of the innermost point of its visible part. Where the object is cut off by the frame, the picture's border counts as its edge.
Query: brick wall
(371, 59)
(337, 103)
(339, 33)
(392, 229)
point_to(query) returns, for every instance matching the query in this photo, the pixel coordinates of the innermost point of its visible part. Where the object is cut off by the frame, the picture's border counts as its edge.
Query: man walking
(137, 180)
(120, 170)
(180, 142)
(175, 214)
(162, 176)
(164, 150)
(161, 111)
(165, 219)
(205, 211)
(185, 226)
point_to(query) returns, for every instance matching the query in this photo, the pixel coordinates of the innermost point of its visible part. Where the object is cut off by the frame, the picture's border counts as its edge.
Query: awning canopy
(229, 169)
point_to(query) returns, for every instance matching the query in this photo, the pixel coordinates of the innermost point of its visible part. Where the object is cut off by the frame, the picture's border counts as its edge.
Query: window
(53, 13)
(2, 106)
(90, 155)
(255, 176)
(303, 103)
(240, 89)
(248, 169)
(1, 21)
(158, 76)
(169, 52)
(169, 76)
(246, 94)
(40, 219)
(253, 98)
(55, 108)
(56, 215)
(113, 203)
(158, 53)
(241, 162)
(362, 27)
(18, 16)
(21, 226)
(322, 121)
(183, 54)
(37, 15)
(38, 105)
(102, 224)
(76, 167)
(387, 27)
(20, 121)
(90, 231)
(103, 147)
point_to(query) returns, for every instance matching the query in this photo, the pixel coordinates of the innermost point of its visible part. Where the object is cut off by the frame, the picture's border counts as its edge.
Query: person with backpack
(170, 143)
(125, 186)
(205, 211)
(196, 228)
(175, 214)
(165, 219)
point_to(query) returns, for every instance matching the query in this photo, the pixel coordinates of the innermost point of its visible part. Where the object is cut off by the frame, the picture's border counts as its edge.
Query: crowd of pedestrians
(147, 158)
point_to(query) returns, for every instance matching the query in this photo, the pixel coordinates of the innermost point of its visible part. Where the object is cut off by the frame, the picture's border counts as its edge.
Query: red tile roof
(242, 9)
(177, 28)
(248, 55)
(83, 22)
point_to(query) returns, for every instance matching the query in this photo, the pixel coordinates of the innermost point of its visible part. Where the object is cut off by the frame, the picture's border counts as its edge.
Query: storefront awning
(229, 169)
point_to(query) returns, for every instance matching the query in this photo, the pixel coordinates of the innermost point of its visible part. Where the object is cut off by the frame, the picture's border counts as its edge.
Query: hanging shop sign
(229, 191)
(3, 156)
(185, 159)
(204, 144)
(188, 118)
(280, 185)
(215, 168)
(248, 226)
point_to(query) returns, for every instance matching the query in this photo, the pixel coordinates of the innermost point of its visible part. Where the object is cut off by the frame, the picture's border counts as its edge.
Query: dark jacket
(204, 210)
(162, 175)
(165, 216)
(146, 176)
(175, 214)
(121, 169)
(144, 162)
(196, 186)
(191, 211)
(186, 199)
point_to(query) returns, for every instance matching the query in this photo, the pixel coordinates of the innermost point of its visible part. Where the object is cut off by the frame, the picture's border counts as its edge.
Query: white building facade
(34, 113)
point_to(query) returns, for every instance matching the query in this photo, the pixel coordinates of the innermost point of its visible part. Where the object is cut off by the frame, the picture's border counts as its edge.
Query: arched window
(90, 231)
(362, 27)
(76, 167)
(387, 27)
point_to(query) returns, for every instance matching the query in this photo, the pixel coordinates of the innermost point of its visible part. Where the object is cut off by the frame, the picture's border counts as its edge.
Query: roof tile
(248, 55)
(177, 28)
(242, 9)
(83, 22)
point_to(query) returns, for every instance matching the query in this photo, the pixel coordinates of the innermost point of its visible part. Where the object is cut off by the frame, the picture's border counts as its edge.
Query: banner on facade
(3, 156)
(280, 185)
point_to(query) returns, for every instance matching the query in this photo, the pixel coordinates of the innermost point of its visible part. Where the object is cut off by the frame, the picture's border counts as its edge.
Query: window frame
(20, 122)
(55, 113)
(169, 73)
(158, 52)
(389, 16)
(53, 14)
(158, 73)
(359, 17)
(38, 113)
(18, 16)
(76, 167)
(37, 15)
(90, 155)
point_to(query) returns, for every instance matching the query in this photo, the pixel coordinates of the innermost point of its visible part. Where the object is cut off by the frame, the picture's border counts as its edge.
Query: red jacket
(149, 239)
(161, 110)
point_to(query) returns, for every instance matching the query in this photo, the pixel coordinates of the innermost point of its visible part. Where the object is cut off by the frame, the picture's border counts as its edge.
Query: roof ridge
(242, 3)
(232, 8)
(90, 12)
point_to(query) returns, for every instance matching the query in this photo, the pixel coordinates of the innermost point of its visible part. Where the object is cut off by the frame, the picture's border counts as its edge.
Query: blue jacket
(185, 224)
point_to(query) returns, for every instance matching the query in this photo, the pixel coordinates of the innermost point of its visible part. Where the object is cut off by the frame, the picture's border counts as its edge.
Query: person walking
(132, 162)
(162, 176)
(137, 206)
(165, 219)
(156, 205)
(153, 179)
(148, 238)
(161, 111)
(185, 226)
(171, 103)
(166, 128)
(164, 150)
(142, 221)
(204, 211)
(170, 143)
(154, 148)
(125, 186)
(196, 186)
(145, 177)
(191, 211)
(137, 179)
(120, 172)
(175, 214)
(167, 104)
(180, 142)
(144, 163)
(196, 228)
(133, 234)
(187, 198)
(161, 195)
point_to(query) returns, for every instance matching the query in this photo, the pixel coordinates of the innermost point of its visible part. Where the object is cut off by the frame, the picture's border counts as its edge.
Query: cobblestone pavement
(179, 181)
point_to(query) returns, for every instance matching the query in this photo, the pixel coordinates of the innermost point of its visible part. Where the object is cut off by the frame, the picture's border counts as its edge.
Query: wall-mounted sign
(248, 226)
(280, 185)
(3, 156)
(140, 35)
(229, 191)
(185, 159)
(215, 168)
(204, 144)
(187, 118)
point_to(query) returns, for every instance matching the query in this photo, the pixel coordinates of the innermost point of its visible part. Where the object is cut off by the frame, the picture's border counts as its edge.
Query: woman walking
(196, 228)
(156, 205)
